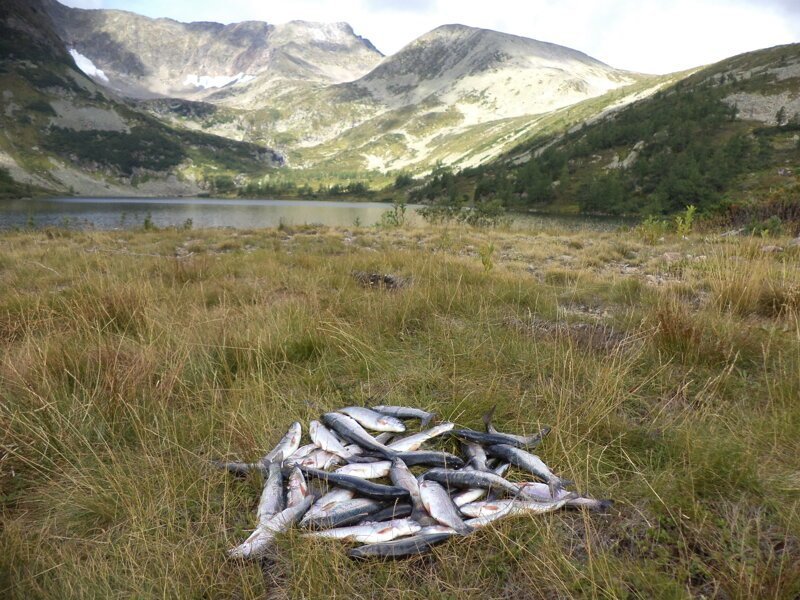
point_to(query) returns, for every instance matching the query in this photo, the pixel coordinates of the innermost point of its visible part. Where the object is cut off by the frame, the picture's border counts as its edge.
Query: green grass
(124, 369)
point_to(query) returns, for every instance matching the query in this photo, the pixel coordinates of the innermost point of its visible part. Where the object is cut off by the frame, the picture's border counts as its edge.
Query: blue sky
(652, 36)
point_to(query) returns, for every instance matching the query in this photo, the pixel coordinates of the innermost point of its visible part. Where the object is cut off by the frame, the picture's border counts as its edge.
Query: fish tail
(556, 484)
(427, 420)
(487, 418)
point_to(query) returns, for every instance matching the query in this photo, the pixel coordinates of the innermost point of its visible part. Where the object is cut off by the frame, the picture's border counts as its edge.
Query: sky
(648, 36)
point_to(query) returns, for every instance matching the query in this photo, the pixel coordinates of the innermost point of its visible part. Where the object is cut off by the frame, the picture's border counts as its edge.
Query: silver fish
(374, 420)
(301, 453)
(319, 459)
(411, 546)
(514, 507)
(343, 513)
(298, 488)
(237, 468)
(372, 533)
(328, 501)
(531, 463)
(365, 488)
(403, 478)
(471, 479)
(352, 430)
(413, 442)
(325, 439)
(405, 412)
(287, 446)
(438, 504)
(475, 494)
(271, 501)
(541, 492)
(475, 454)
(258, 544)
(375, 470)
(521, 439)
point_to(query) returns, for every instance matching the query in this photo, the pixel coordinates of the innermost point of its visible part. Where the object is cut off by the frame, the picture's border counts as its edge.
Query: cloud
(84, 3)
(401, 5)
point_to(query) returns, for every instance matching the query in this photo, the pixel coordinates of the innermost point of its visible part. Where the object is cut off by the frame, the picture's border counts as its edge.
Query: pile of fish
(451, 496)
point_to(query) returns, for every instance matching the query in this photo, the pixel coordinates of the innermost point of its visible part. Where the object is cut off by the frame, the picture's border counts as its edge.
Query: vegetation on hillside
(669, 370)
(684, 146)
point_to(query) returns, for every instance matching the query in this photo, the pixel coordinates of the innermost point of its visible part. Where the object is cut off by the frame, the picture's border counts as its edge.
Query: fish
(471, 479)
(474, 494)
(438, 504)
(468, 496)
(403, 478)
(350, 429)
(414, 442)
(301, 453)
(476, 455)
(514, 507)
(329, 500)
(394, 511)
(374, 420)
(432, 529)
(411, 546)
(541, 492)
(405, 412)
(371, 533)
(271, 501)
(363, 487)
(325, 439)
(343, 514)
(524, 440)
(298, 488)
(376, 470)
(531, 463)
(287, 446)
(488, 439)
(319, 459)
(237, 468)
(261, 540)
(430, 458)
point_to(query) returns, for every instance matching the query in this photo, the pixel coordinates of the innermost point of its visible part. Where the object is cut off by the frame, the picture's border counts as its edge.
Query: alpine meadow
(283, 316)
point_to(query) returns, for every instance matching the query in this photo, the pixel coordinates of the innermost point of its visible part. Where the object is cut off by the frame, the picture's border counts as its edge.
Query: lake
(116, 213)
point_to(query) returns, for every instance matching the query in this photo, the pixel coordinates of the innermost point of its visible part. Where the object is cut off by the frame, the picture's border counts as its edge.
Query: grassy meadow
(669, 369)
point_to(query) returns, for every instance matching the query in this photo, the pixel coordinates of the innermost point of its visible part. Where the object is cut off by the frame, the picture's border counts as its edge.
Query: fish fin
(487, 418)
(605, 505)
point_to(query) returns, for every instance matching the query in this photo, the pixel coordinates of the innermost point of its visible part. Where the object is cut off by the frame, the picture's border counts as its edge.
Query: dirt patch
(592, 336)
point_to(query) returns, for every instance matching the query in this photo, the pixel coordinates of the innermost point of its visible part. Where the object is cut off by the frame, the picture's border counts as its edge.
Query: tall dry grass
(124, 368)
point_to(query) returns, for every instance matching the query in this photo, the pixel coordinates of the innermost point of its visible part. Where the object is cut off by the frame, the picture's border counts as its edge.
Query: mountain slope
(722, 139)
(487, 74)
(443, 96)
(62, 132)
(145, 58)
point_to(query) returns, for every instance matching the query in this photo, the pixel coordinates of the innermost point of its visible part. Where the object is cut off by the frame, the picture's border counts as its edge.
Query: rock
(795, 243)
(672, 257)
(771, 249)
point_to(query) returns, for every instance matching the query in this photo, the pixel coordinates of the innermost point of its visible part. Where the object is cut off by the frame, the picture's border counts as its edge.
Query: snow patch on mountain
(85, 64)
(208, 82)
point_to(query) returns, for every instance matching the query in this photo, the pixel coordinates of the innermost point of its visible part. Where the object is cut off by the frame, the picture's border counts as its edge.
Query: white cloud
(653, 36)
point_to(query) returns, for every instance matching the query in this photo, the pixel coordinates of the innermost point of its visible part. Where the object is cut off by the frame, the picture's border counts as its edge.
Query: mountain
(63, 132)
(457, 94)
(325, 97)
(489, 75)
(151, 58)
(725, 139)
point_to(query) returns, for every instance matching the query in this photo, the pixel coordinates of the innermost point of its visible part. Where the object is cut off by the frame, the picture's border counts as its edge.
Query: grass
(124, 369)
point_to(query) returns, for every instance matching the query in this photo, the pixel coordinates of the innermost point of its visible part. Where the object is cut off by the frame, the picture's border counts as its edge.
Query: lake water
(115, 213)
